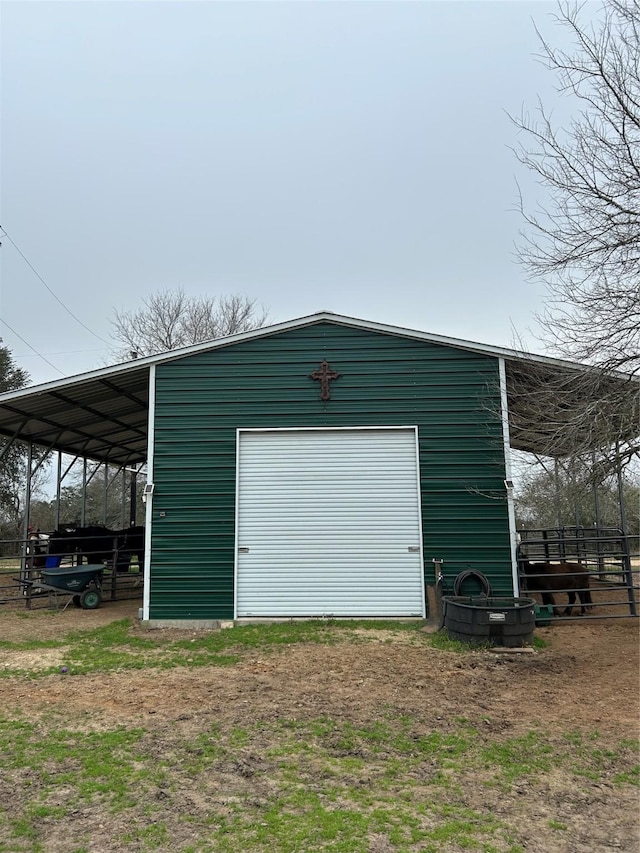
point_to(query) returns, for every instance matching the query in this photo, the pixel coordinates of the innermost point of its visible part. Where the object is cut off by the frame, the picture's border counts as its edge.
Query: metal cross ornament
(324, 375)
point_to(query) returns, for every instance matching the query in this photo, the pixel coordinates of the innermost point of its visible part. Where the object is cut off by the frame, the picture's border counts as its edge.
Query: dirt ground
(588, 677)
(590, 673)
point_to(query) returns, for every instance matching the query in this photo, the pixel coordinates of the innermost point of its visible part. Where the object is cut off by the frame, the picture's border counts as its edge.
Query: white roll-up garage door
(328, 523)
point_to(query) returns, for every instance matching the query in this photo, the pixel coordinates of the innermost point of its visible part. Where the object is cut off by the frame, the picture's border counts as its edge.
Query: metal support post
(133, 494)
(25, 569)
(83, 509)
(626, 558)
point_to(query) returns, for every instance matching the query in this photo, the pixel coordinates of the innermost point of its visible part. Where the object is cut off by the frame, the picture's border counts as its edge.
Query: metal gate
(599, 567)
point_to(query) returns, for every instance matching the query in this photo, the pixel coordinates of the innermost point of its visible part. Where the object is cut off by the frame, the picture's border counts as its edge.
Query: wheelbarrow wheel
(90, 599)
(76, 601)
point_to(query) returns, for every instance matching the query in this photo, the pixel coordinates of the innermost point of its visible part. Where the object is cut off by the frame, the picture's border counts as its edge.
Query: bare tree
(564, 411)
(555, 496)
(584, 243)
(171, 319)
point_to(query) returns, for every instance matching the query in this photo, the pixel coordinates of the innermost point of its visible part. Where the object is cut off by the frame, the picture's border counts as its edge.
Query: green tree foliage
(13, 465)
(12, 377)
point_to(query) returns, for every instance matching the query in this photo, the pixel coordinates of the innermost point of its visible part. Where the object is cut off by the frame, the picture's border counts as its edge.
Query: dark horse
(130, 542)
(547, 578)
(99, 544)
(94, 543)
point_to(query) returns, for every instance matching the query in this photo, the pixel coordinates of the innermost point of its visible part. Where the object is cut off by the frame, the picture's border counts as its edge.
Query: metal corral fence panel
(22, 562)
(596, 567)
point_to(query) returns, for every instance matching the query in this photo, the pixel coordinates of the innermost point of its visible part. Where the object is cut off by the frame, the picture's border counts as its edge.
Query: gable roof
(103, 414)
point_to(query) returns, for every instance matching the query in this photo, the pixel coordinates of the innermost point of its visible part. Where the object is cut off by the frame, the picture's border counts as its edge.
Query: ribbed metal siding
(329, 524)
(452, 395)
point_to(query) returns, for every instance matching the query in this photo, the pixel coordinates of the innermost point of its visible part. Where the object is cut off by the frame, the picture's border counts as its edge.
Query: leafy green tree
(13, 465)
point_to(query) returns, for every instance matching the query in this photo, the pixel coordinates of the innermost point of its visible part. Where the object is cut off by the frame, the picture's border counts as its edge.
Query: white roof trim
(264, 331)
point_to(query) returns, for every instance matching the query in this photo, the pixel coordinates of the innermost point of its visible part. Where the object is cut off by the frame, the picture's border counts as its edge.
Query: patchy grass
(396, 780)
(286, 785)
(443, 641)
(114, 647)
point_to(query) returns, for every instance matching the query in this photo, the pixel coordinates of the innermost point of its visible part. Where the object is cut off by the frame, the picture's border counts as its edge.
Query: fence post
(626, 557)
(25, 570)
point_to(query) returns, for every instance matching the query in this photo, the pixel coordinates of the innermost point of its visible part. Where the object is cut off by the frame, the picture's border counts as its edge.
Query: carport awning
(559, 410)
(103, 415)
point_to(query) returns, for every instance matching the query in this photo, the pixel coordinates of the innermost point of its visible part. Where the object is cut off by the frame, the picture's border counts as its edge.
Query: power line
(59, 352)
(55, 296)
(11, 329)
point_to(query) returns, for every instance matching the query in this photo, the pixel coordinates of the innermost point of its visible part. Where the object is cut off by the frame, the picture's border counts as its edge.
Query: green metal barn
(272, 501)
(317, 467)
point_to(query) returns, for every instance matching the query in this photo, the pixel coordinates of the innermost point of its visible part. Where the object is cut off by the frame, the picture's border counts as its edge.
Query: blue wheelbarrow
(82, 583)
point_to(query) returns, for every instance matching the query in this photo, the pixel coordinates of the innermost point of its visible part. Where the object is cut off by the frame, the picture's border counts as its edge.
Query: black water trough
(499, 621)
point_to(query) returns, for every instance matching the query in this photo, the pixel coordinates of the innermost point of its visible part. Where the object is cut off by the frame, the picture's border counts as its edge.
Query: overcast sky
(347, 156)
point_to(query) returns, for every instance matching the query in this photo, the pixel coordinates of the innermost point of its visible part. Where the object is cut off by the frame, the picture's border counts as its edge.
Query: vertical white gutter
(419, 497)
(236, 545)
(146, 592)
(513, 537)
